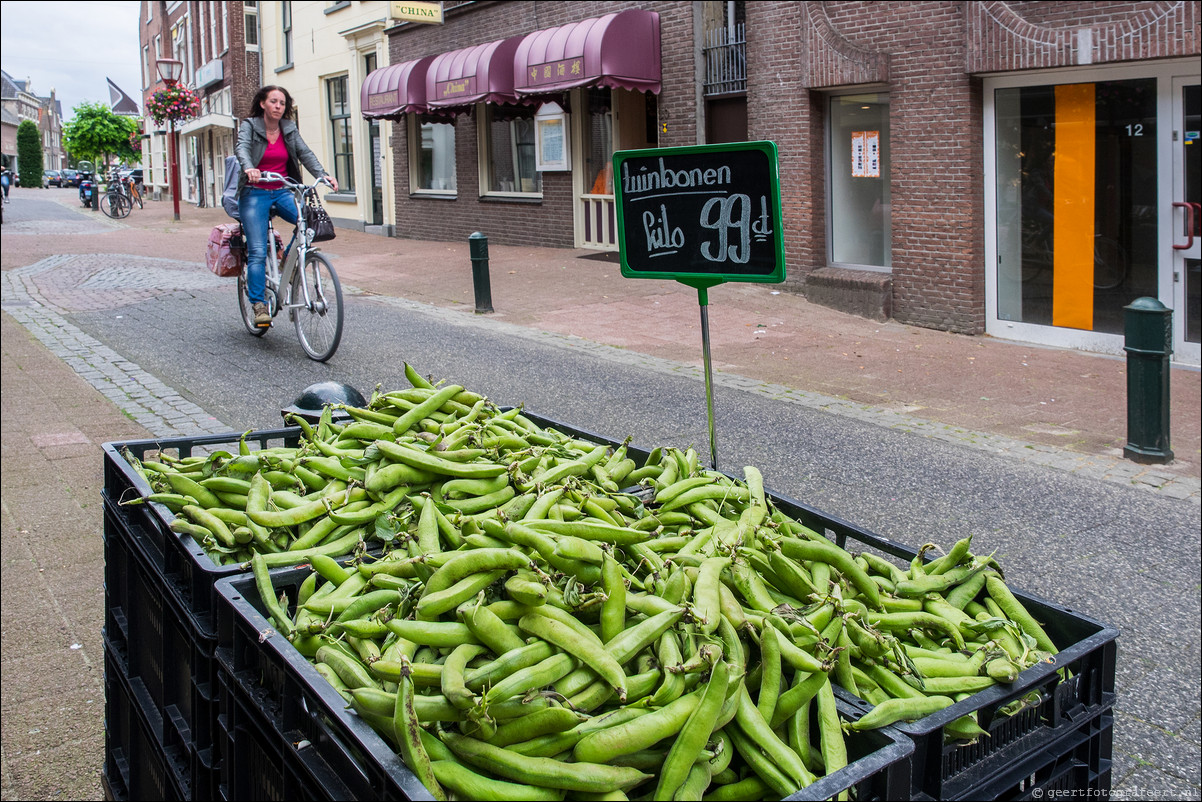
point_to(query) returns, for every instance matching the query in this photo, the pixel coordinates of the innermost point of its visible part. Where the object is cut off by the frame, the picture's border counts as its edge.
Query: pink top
(275, 159)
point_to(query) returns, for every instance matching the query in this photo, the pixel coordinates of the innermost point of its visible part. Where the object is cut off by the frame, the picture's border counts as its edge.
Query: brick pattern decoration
(510, 221)
(1031, 35)
(829, 59)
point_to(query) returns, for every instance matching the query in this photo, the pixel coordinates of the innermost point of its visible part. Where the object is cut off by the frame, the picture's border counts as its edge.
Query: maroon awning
(618, 50)
(472, 75)
(396, 89)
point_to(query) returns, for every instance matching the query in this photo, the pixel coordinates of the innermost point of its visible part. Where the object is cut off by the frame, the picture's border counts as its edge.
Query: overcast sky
(72, 47)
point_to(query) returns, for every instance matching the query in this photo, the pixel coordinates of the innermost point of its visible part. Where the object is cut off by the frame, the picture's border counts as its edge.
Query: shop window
(340, 133)
(858, 202)
(1076, 202)
(433, 158)
(509, 150)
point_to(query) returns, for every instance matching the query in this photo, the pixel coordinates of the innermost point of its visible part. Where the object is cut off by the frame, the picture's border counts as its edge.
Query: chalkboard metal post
(701, 216)
(703, 300)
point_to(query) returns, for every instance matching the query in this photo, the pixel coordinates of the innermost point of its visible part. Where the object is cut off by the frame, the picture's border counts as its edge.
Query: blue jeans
(255, 207)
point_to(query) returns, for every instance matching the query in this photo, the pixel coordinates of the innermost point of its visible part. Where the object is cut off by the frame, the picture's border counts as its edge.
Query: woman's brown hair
(256, 104)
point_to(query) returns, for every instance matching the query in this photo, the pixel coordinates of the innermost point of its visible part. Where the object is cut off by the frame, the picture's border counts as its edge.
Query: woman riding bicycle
(268, 141)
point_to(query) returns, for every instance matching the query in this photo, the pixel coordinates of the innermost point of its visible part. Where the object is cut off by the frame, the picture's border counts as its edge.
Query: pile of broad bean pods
(550, 617)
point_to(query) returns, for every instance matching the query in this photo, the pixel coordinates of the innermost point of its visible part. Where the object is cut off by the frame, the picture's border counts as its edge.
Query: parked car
(135, 174)
(70, 178)
(52, 178)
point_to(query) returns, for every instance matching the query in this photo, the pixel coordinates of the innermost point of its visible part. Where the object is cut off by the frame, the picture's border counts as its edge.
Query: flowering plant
(177, 103)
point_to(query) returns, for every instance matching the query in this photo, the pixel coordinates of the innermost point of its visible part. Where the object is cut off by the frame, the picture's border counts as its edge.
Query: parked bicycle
(302, 282)
(119, 201)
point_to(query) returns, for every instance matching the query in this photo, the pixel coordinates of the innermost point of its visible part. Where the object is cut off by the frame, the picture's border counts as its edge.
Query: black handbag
(318, 222)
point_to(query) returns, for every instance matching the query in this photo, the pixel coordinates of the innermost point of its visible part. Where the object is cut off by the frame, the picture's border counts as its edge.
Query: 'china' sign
(417, 12)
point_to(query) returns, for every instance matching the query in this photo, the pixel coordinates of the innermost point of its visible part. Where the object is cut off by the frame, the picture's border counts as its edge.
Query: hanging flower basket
(175, 103)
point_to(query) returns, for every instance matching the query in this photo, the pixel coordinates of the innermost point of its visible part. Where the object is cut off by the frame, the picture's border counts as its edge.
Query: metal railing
(725, 60)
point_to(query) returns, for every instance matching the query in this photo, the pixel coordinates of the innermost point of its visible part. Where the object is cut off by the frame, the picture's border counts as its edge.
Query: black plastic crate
(160, 653)
(137, 764)
(186, 571)
(1079, 763)
(288, 732)
(1087, 650)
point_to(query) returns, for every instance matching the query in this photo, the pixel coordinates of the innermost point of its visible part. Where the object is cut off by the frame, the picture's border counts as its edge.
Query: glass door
(1187, 218)
(1092, 201)
(595, 223)
(1077, 202)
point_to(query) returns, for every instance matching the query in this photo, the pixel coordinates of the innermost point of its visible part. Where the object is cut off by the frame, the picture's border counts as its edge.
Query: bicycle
(119, 201)
(312, 294)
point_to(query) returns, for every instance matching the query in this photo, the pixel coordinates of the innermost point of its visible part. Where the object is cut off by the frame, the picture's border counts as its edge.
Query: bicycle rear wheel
(136, 195)
(115, 205)
(244, 306)
(319, 324)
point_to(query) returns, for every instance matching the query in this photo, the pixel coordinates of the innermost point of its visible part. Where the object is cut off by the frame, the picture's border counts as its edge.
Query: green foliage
(29, 154)
(96, 134)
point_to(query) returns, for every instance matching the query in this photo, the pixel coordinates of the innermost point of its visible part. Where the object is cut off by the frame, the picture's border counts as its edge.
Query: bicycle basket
(317, 221)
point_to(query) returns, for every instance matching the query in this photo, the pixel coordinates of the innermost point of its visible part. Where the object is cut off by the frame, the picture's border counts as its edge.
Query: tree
(29, 154)
(96, 134)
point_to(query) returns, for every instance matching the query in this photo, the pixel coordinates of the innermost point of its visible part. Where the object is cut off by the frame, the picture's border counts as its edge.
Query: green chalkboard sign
(700, 215)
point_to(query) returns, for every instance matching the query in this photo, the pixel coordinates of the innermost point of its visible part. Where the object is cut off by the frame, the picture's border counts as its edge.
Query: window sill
(284, 67)
(491, 197)
(337, 7)
(433, 194)
(341, 197)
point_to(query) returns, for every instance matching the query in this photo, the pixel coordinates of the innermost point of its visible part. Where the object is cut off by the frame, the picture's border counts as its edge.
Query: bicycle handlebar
(266, 175)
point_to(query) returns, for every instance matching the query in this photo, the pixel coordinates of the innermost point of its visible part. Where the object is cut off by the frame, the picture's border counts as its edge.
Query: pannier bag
(226, 251)
(317, 221)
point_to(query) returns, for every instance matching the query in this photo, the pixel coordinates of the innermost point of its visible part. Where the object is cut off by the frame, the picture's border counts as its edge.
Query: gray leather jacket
(252, 142)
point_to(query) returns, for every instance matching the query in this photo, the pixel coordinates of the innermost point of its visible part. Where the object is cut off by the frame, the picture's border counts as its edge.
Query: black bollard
(478, 248)
(1148, 341)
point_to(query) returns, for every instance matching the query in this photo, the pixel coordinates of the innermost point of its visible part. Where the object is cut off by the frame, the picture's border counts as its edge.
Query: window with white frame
(286, 29)
(339, 104)
(250, 10)
(146, 74)
(432, 162)
(859, 229)
(214, 47)
(508, 158)
(204, 34)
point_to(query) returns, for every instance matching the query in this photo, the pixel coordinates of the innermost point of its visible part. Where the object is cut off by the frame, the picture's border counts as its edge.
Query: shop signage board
(428, 13)
(702, 216)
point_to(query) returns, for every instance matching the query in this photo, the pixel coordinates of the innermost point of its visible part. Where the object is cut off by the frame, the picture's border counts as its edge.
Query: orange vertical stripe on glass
(1073, 221)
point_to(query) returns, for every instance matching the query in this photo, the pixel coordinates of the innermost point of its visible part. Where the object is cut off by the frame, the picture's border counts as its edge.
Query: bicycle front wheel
(137, 198)
(318, 316)
(115, 205)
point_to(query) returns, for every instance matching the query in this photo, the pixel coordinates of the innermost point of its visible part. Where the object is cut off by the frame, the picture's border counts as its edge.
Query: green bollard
(1148, 341)
(478, 249)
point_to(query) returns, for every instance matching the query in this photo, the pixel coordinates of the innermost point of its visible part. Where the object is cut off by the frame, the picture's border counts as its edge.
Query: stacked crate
(206, 700)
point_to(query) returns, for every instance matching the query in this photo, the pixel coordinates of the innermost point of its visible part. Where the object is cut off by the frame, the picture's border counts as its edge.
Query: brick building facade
(956, 99)
(218, 43)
